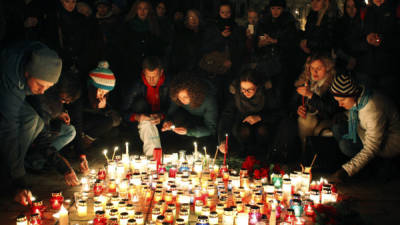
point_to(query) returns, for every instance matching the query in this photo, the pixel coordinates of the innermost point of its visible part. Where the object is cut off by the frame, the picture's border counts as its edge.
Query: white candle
(195, 150)
(242, 219)
(272, 218)
(63, 214)
(82, 208)
(126, 148)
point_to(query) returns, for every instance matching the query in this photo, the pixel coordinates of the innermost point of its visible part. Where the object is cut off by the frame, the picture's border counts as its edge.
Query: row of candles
(191, 184)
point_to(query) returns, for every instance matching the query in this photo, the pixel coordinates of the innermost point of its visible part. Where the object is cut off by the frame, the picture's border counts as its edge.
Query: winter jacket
(379, 131)
(233, 44)
(283, 29)
(186, 50)
(381, 60)
(320, 38)
(139, 91)
(208, 111)
(270, 113)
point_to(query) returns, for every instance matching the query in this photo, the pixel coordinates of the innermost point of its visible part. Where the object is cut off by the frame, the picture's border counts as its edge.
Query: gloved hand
(340, 176)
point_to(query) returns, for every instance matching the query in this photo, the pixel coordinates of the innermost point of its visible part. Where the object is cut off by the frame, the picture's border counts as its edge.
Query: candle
(21, 220)
(213, 218)
(115, 150)
(35, 219)
(308, 207)
(242, 219)
(226, 148)
(101, 175)
(228, 218)
(127, 151)
(100, 218)
(82, 208)
(184, 214)
(63, 216)
(105, 154)
(297, 208)
(56, 200)
(123, 218)
(272, 217)
(37, 207)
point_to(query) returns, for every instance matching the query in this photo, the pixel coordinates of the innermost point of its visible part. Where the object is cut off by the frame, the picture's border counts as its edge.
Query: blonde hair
(329, 8)
(329, 64)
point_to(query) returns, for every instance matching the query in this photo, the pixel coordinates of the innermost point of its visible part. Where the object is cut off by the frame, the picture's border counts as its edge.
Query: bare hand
(351, 64)
(71, 179)
(227, 64)
(166, 126)
(155, 119)
(304, 91)
(303, 46)
(142, 117)
(227, 32)
(30, 22)
(65, 117)
(180, 130)
(252, 119)
(301, 111)
(373, 39)
(248, 33)
(84, 165)
(23, 197)
(222, 147)
(102, 104)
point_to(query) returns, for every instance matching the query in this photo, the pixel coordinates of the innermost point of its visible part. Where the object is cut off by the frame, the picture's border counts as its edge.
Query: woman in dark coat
(187, 44)
(350, 40)
(251, 115)
(319, 31)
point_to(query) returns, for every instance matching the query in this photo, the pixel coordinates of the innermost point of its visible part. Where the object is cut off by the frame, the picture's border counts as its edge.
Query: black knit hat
(344, 86)
(281, 3)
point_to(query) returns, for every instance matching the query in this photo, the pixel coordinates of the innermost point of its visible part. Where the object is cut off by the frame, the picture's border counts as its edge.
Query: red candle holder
(98, 188)
(290, 217)
(172, 172)
(101, 175)
(37, 208)
(112, 186)
(56, 200)
(35, 219)
(100, 218)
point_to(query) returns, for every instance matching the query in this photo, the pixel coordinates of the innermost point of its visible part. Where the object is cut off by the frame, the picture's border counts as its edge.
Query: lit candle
(37, 207)
(272, 217)
(228, 218)
(82, 208)
(213, 218)
(115, 150)
(242, 219)
(195, 150)
(56, 200)
(226, 148)
(21, 220)
(127, 149)
(63, 216)
(105, 154)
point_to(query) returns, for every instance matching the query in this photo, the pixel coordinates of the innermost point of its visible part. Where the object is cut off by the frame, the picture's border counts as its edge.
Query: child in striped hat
(103, 80)
(372, 129)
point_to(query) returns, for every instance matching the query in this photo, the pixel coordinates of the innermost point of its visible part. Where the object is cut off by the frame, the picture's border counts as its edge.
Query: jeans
(66, 135)
(346, 146)
(16, 138)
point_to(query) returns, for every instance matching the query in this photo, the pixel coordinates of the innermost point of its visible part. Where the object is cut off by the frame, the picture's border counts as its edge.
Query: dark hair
(70, 84)
(250, 75)
(151, 63)
(151, 17)
(195, 87)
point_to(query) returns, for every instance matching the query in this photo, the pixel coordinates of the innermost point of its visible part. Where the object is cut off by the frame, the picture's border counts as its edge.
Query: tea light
(198, 207)
(184, 214)
(21, 220)
(228, 218)
(123, 218)
(213, 218)
(56, 200)
(242, 218)
(82, 208)
(139, 218)
(97, 206)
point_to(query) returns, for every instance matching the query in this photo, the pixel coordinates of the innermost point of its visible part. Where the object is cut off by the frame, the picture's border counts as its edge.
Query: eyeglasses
(249, 90)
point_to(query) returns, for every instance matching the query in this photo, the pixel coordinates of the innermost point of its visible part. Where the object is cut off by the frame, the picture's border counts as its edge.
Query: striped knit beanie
(344, 86)
(102, 77)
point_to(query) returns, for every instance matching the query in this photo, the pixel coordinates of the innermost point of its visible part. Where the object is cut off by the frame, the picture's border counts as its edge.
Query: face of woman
(68, 5)
(317, 5)
(143, 11)
(351, 9)
(276, 11)
(192, 19)
(345, 102)
(248, 89)
(184, 97)
(161, 9)
(225, 12)
(318, 70)
(378, 2)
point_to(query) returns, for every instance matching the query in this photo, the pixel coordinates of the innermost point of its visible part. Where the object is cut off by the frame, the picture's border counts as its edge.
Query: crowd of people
(73, 73)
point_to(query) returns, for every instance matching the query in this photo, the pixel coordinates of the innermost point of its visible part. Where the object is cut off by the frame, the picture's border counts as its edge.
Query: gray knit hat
(44, 65)
(344, 86)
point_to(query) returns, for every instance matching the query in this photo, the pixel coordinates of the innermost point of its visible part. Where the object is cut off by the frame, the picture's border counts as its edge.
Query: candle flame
(33, 198)
(105, 152)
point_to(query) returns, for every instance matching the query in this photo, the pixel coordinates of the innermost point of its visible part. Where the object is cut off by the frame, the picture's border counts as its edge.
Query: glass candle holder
(155, 213)
(109, 206)
(132, 222)
(100, 218)
(82, 208)
(139, 218)
(56, 200)
(184, 214)
(22, 220)
(213, 218)
(97, 206)
(98, 188)
(37, 207)
(169, 216)
(297, 207)
(242, 218)
(228, 218)
(35, 219)
(202, 220)
(254, 215)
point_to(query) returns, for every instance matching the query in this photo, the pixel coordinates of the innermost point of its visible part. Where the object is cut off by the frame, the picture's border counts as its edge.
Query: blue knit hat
(102, 77)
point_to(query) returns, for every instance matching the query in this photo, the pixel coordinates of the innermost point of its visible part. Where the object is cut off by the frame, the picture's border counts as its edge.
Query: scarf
(248, 106)
(353, 116)
(153, 93)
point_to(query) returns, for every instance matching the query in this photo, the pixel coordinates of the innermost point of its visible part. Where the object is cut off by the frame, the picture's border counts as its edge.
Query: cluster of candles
(174, 188)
